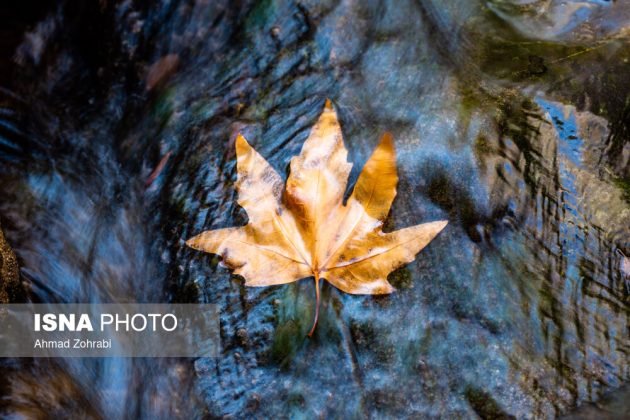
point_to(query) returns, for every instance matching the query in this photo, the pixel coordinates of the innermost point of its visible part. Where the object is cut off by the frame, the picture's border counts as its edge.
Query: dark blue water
(117, 128)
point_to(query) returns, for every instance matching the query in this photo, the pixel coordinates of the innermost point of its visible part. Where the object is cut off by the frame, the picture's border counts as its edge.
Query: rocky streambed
(117, 128)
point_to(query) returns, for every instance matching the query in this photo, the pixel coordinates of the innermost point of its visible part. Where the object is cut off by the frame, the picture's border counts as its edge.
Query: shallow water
(117, 123)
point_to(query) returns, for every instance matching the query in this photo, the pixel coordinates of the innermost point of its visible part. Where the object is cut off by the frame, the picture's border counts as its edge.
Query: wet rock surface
(9, 277)
(510, 120)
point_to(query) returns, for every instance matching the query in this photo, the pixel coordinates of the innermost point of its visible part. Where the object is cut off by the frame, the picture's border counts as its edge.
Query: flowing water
(511, 120)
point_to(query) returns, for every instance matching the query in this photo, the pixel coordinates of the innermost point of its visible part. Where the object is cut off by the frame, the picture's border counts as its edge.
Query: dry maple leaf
(307, 231)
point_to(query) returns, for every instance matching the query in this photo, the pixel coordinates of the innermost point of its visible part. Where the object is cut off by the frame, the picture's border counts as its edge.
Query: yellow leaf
(307, 231)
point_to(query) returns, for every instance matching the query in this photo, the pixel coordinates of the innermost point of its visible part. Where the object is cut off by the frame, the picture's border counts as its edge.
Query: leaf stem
(316, 303)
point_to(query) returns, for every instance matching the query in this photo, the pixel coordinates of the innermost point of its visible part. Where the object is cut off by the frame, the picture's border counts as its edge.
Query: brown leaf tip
(439, 225)
(192, 243)
(241, 144)
(328, 104)
(388, 140)
(385, 289)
